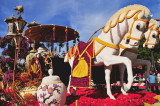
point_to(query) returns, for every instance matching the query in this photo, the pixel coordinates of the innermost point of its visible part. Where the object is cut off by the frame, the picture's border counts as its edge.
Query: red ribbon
(54, 34)
(66, 36)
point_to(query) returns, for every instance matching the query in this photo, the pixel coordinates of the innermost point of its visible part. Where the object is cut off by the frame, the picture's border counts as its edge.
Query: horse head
(139, 24)
(151, 35)
(130, 21)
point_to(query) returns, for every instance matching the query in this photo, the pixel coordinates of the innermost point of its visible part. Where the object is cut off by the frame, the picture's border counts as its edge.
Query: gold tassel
(81, 70)
(0, 69)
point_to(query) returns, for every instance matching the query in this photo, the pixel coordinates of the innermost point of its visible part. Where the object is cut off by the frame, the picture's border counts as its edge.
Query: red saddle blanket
(81, 70)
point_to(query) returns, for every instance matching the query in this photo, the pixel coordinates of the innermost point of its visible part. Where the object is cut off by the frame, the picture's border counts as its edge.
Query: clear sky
(85, 16)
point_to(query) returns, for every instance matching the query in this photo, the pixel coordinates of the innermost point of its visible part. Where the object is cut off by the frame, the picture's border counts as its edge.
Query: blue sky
(83, 15)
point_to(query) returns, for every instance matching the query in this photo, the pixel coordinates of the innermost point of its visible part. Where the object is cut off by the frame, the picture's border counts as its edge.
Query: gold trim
(28, 91)
(146, 43)
(105, 43)
(122, 46)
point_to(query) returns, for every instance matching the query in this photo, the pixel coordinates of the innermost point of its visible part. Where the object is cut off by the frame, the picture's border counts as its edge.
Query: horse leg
(122, 69)
(71, 64)
(107, 78)
(147, 63)
(68, 88)
(111, 60)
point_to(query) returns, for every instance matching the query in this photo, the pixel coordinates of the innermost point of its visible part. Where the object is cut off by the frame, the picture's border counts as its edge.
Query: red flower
(99, 98)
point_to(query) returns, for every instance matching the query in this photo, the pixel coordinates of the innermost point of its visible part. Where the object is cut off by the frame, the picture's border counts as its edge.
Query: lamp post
(15, 29)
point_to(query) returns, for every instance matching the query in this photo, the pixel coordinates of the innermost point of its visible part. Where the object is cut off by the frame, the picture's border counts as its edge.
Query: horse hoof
(126, 87)
(112, 97)
(125, 93)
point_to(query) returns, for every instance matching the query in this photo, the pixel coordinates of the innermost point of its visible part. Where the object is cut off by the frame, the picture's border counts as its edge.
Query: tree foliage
(146, 54)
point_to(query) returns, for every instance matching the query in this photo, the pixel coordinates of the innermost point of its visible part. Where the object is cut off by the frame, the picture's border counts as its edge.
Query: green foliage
(145, 53)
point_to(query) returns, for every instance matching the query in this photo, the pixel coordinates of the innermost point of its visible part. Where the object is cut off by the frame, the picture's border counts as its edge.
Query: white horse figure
(106, 48)
(126, 50)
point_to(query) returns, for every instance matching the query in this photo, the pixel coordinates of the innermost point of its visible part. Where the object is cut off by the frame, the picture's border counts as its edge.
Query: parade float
(33, 71)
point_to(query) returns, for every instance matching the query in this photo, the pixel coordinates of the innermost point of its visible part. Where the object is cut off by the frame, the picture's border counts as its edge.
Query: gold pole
(17, 48)
(15, 62)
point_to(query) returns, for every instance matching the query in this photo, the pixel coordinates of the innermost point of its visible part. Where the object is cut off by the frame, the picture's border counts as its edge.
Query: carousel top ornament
(19, 9)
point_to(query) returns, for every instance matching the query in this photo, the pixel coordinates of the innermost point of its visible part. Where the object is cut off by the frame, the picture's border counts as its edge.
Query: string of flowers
(8, 76)
(4, 61)
(24, 48)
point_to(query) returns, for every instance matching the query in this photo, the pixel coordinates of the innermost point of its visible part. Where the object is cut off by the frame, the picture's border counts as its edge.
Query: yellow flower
(147, 104)
(157, 97)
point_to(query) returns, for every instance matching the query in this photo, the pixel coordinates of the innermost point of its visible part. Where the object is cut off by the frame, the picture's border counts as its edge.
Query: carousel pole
(53, 39)
(66, 38)
(17, 39)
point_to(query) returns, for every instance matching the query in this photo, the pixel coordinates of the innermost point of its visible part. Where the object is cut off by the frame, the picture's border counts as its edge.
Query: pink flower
(54, 85)
(40, 95)
(54, 101)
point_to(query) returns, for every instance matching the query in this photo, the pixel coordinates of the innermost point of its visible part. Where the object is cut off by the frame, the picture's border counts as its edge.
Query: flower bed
(93, 97)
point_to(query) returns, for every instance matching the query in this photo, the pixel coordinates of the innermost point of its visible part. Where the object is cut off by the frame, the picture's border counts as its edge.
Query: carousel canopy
(51, 33)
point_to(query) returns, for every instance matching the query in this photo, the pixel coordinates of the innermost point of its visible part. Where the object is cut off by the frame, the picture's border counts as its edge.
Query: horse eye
(154, 36)
(138, 27)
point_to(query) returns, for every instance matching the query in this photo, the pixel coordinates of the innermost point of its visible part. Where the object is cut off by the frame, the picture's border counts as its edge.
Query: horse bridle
(130, 30)
(151, 29)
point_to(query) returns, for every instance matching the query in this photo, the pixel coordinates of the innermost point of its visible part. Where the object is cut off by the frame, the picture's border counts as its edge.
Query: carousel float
(32, 83)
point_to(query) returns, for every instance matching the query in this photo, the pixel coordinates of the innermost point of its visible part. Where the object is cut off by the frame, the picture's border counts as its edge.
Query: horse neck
(114, 36)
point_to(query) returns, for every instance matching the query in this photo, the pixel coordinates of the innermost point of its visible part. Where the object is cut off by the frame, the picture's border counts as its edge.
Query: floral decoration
(8, 76)
(94, 97)
(29, 96)
(46, 95)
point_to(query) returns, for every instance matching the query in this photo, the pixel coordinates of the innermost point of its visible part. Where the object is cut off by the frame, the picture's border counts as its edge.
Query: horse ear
(140, 15)
(149, 17)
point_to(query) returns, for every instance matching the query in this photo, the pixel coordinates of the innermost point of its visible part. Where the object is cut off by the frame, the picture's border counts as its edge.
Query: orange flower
(50, 91)
(44, 88)
(29, 96)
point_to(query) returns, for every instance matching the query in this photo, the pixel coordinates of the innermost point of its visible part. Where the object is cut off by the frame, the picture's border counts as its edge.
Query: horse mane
(123, 13)
(154, 24)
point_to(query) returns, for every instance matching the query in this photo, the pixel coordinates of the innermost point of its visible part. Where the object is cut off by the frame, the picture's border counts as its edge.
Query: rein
(130, 30)
(95, 33)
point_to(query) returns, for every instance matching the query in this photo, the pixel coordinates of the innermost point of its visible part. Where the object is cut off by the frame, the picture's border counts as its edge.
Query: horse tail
(71, 53)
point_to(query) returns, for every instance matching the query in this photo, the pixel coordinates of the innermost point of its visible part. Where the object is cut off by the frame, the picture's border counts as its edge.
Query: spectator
(158, 77)
(152, 80)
